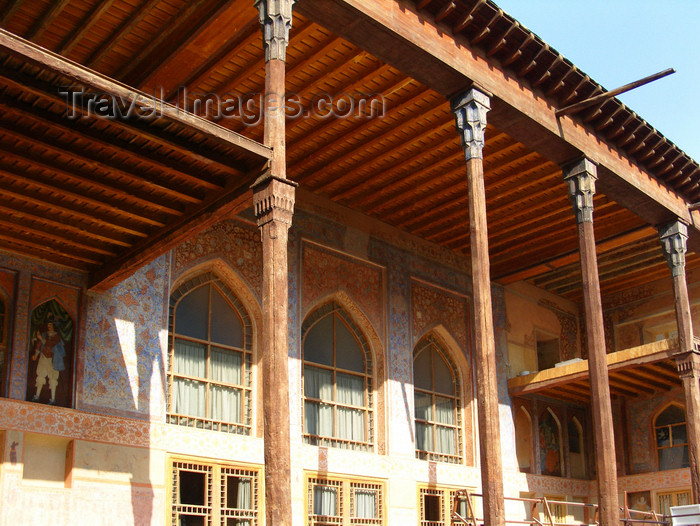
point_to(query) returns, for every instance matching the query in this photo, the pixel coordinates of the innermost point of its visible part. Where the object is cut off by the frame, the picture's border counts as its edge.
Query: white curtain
(350, 390)
(445, 436)
(243, 500)
(226, 401)
(424, 437)
(325, 501)
(189, 396)
(366, 504)
(318, 417)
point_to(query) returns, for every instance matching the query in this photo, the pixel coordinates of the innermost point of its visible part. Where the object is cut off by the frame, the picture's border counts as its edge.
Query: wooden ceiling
(405, 168)
(633, 373)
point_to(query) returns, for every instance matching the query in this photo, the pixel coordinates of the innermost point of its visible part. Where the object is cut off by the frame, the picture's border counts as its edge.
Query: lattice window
(210, 494)
(345, 502)
(192, 494)
(337, 379)
(437, 404)
(209, 372)
(435, 506)
(432, 507)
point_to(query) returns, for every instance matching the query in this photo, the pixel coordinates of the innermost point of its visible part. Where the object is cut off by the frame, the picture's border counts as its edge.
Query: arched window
(577, 454)
(671, 438)
(436, 396)
(337, 380)
(550, 444)
(210, 357)
(523, 440)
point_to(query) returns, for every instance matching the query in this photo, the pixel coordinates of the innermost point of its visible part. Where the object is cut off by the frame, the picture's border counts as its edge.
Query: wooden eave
(107, 194)
(405, 169)
(635, 372)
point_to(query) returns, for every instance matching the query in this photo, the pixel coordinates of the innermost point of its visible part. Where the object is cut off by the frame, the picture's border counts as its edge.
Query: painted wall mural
(125, 343)
(51, 351)
(550, 445)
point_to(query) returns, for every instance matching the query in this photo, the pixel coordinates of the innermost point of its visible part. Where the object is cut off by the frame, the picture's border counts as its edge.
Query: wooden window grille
(217, 390)
(438, 415)
(192, 498)
(345, 502)
(432, 507)
(329, 336)
(210, 494)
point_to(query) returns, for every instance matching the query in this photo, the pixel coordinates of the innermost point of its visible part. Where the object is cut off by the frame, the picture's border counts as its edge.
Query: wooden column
(580, 177)
(470, 110)
(273, 200)
(674, 238)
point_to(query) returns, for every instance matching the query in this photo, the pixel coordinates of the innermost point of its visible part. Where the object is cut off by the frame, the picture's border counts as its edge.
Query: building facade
(153, 364)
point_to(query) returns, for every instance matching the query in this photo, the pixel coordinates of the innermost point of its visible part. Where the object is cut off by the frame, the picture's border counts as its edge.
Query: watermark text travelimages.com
(247, 108)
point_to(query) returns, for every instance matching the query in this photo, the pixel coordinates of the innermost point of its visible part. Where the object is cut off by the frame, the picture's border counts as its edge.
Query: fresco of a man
(51, 353)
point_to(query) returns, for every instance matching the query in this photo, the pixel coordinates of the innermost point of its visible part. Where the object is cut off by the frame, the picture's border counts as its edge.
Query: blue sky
(619, 41)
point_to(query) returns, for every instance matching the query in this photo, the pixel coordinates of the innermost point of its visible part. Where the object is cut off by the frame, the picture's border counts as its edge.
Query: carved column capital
(470, 110)
(674, 237)
(580, 177)
(275, 17)
(273, 200)
(688, 363)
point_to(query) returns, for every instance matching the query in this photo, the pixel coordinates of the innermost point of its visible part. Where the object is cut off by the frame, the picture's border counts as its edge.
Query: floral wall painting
(550, 445)
(50, 364)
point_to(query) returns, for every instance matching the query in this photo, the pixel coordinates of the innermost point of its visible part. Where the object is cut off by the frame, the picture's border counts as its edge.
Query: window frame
(339, 315)
(670, 427)
(446, 496)
(345, 501)
(214, 511)
(424, 344)
(209, 279)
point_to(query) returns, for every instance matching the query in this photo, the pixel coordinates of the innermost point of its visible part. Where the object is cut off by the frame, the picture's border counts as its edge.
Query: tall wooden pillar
(273, 200)
(580, 177)
(674, 238)
(470, 110)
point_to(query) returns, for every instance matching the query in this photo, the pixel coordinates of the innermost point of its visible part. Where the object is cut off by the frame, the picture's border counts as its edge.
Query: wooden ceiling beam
(236, 197)
(22, 226)
(640, 375)
(233, 84)
(312, 166)
(438, 212)
(10, 12)
(573, 257)
(95, 161)
(224, 54)
(37, 181)
(392, 197)
(29, 84)
(620, 382)
(44, 21)
(188, 22)
(53, 63)
(50, 244)
(83, 27)
(76, 177)
(46, 254)
(129, 23)
(643, 265)
(296, 144)
(114, 144)
(55, 205)
(10, 207)
(334, 179)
